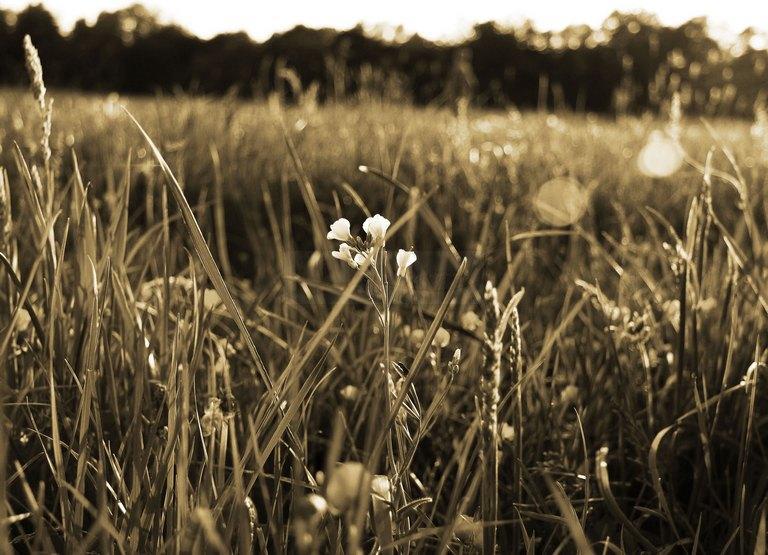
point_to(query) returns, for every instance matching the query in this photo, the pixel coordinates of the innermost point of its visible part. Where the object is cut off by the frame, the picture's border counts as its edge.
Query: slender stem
(681, 339)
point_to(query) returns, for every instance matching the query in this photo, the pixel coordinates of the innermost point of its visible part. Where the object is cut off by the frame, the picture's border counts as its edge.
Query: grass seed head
(35, 72)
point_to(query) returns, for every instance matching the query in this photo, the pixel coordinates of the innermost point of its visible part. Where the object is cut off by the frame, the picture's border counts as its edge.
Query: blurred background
(618, 62)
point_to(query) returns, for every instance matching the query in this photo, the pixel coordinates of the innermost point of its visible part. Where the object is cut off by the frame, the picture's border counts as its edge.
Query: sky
(433, 20)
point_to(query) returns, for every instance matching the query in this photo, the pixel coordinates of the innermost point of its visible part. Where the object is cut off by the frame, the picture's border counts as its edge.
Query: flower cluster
(213, 418)
(626, 324)
(355, 251)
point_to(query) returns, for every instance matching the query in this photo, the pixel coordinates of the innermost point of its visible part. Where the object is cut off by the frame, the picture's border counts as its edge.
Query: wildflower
(349, 392)
(507, 432)
(416, 336)
(706, 305)
(340, 230)
(376, 228)
(309, 512)
(678, 258)
(442, 338)
(636, 329)
(213, 418)
(470, 320)
(211, 299)
(344, 485)
(23, 320)
(361, 258)
(317, 502)
(345, 254)
(569, 395)
(671, 309)
(404, 259)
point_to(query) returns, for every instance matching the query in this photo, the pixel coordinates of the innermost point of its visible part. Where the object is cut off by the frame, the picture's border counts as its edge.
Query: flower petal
(340, 230)
(376, 227)
(404, 259)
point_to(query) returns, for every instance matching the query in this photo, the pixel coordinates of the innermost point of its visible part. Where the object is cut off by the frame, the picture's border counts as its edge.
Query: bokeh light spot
(560, 201)
(660, 157)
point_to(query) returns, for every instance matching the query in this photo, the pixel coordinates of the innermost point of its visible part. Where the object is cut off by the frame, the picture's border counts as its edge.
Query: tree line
(631, 63)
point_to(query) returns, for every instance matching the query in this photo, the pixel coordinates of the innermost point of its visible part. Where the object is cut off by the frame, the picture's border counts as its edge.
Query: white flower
(349, 392)
(360, 258)
(345, 254)
(442, 338)
(470, 321)
(213, 418)
(569, 395)
(211, 299)
(23, 320)
(416, 336)
(404, 259)
(345, 483)
(376, 228)
(706, 305)
(340, 230)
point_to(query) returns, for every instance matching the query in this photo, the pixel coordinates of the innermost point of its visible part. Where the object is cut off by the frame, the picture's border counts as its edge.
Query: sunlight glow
(660, 157)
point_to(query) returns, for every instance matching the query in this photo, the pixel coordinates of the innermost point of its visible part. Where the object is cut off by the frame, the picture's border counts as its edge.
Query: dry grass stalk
(490, 381)
(35, 71)
(516, 371)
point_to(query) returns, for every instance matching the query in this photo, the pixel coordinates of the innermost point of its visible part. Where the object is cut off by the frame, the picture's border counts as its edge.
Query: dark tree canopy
(631, 63)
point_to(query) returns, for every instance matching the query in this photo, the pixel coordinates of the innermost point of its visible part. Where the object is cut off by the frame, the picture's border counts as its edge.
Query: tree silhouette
(630, 63)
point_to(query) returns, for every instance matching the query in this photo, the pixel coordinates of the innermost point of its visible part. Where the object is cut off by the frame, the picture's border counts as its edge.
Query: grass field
(188, 368)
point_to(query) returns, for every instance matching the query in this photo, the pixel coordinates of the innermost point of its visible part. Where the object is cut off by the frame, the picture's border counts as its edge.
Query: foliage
(187, 367)
(631, 63)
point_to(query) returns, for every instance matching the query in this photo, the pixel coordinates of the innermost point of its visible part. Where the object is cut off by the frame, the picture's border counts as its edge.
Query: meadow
(192, 362)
